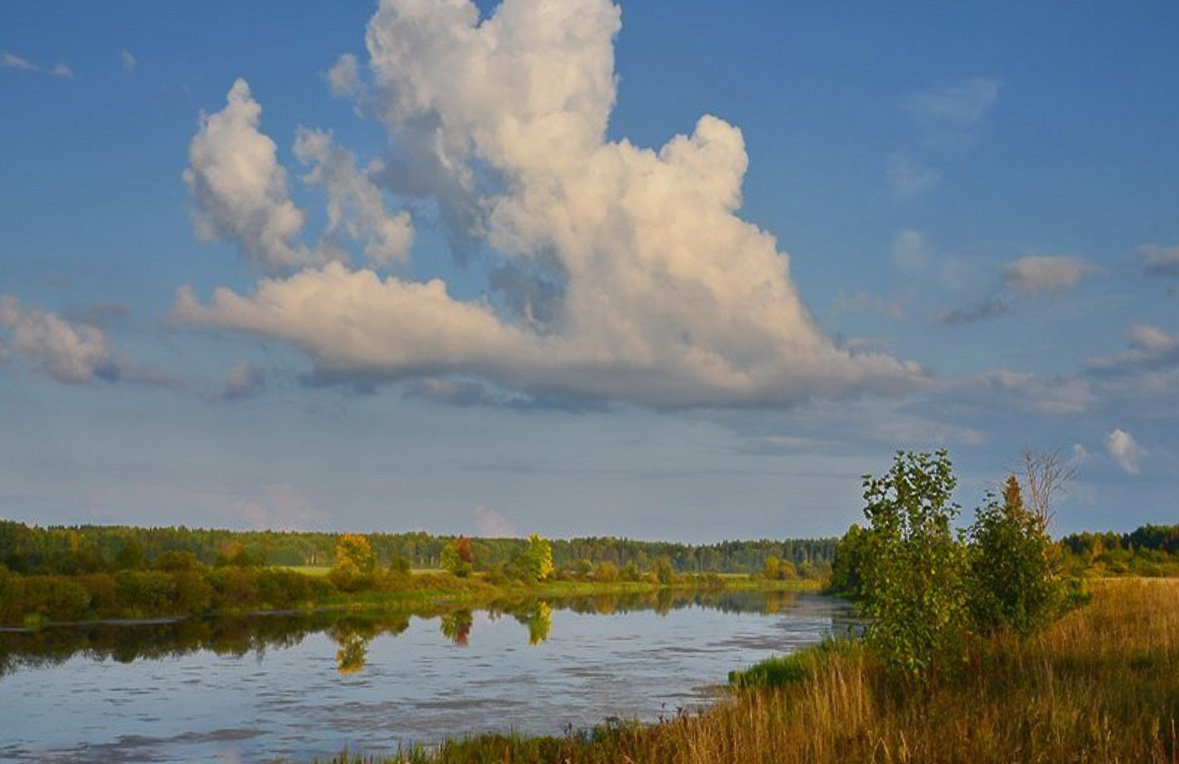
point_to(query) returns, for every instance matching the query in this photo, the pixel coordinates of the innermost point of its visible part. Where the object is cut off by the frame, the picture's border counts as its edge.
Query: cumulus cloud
(625, 272)
(13, 61)
(1122, 447)
(1035, 274)
(355, 206)
(67, 352)
(239, 188)
(344, 76)
(1160, 261)
(71, 351)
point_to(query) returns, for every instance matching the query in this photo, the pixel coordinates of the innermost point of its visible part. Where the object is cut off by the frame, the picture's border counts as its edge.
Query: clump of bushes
(925, 589)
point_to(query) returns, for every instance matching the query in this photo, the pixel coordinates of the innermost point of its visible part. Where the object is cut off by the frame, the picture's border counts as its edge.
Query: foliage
(664, 572)
(914, 569)
(355, 563)
(535, 562)
(846, 570)
(72, 550)
(778, 570)
(1015, 582)
(458, 557)
(605, 572)
(400, 566)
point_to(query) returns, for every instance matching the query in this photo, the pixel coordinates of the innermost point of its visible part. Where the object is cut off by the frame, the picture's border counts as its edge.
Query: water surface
(307, 685)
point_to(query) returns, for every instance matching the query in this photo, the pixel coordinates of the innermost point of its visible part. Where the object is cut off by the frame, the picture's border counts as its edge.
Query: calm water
(306, 685)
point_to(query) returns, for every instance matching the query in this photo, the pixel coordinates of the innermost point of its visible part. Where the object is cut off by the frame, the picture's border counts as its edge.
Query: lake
(302, 685)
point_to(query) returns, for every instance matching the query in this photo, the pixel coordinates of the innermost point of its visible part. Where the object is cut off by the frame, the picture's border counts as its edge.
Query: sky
(680, 271)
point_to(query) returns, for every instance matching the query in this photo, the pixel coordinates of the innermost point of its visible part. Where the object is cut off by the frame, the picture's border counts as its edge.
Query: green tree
(605, 571)
(771, 568)
(355, 563)
(914, 569)
(535, 562)
(664, 572)
(399, 566)
(847, 569)
(1015, 582)
(458, 557)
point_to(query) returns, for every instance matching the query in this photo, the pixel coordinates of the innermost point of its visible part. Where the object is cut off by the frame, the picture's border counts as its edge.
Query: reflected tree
(456, 626)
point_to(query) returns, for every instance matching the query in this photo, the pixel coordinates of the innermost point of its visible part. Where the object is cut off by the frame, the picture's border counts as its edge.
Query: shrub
(1014, 583)
(914, 569)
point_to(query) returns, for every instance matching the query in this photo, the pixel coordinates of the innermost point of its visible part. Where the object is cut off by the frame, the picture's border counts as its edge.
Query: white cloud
(1150, 339)
(355, 206)
(1034, 274)
(240, 189)
(653, 289)
(67, 352)
(1057, 395)
(949, 112)
(128, 60)
(344, 76)
(279, 507)
(1161, 261)
(13, 61)
(492, 524)
(1125, 451)
(907, 178)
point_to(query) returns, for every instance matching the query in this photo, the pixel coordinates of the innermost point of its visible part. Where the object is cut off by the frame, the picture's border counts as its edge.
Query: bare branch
(1046, 475)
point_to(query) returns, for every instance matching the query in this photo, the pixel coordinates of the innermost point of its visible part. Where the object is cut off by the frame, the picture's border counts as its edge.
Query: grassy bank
(39, 600)
(1102, 684)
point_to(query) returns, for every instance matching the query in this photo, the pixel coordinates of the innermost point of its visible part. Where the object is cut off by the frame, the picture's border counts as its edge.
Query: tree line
(70, 550)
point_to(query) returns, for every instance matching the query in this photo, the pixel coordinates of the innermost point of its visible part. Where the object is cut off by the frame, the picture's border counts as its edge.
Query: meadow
(1100, 684)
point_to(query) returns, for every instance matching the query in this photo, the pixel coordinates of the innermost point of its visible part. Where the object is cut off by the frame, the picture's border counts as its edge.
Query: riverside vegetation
(982, 646)
(991, 643)
(96, 572)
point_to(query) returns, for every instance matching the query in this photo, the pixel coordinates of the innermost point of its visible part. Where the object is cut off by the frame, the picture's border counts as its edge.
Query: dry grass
(1101, 685)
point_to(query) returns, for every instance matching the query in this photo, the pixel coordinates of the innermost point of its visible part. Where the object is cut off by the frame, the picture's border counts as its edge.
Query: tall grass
(1100, 685)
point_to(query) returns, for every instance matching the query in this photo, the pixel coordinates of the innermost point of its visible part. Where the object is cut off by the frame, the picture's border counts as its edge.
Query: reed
(1102, 684)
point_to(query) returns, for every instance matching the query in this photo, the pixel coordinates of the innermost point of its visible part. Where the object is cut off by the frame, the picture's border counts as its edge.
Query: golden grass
(1101, 685)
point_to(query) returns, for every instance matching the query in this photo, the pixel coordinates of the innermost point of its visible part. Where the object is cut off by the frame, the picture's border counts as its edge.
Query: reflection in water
(456, 626)
(353, 653)
(539, 619)
(352, 632)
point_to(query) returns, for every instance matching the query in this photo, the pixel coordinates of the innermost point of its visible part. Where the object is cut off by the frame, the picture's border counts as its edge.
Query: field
(1102, 684)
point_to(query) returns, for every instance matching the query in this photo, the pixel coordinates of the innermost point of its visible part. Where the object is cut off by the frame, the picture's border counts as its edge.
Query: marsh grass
(1100, 685)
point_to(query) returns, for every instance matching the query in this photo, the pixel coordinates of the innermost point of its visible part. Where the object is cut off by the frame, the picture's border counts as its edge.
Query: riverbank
(1102, 684)
(43, 600)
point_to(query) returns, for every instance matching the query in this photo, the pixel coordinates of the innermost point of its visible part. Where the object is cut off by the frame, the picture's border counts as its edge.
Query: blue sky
(645, 269)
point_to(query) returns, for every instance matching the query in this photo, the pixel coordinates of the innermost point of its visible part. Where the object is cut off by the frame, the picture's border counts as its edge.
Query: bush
(914, 569)
(1015, 582)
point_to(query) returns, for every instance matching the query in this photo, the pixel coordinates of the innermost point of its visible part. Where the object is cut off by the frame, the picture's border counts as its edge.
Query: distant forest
(77, 549)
